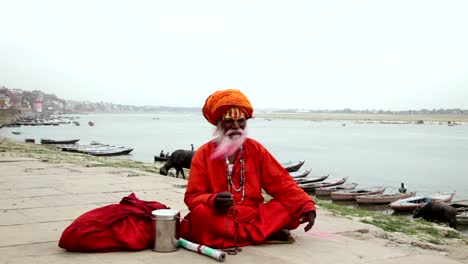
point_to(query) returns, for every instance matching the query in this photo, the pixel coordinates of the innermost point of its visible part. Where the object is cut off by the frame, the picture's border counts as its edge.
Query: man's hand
(308, 217)
(223, 200)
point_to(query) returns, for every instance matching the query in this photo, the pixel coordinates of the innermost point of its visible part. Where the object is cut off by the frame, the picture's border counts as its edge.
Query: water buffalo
(438, 211)
(179, 159)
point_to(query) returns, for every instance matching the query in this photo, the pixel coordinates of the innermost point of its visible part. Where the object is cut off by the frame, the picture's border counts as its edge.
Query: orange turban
(219, 102)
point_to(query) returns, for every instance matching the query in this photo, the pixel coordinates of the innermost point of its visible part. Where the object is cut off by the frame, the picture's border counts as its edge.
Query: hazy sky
(392, 55)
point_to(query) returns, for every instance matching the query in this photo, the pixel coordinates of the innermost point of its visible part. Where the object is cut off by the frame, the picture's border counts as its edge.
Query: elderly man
(227, 175)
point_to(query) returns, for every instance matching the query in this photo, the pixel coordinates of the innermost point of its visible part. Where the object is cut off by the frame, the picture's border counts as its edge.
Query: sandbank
(366, 117)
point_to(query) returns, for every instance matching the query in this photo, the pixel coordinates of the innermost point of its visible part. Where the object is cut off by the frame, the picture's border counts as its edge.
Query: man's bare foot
(281, 235)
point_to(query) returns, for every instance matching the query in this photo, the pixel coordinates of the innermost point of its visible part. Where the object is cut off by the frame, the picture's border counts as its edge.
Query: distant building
(4, 101)
(38, 105)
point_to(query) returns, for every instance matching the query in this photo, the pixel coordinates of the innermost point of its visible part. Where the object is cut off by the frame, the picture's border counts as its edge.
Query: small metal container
(166, 226)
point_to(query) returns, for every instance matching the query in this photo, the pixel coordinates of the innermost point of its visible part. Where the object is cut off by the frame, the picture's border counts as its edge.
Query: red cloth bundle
(115, 227)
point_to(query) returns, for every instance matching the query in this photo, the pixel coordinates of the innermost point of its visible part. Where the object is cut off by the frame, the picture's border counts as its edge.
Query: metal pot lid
(165, 214)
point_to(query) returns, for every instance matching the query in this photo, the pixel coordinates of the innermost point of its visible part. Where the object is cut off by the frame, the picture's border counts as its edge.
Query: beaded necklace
(231, 184)
(232, 211)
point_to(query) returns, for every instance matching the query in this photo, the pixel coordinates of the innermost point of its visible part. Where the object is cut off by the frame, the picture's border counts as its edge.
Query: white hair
(227, 141)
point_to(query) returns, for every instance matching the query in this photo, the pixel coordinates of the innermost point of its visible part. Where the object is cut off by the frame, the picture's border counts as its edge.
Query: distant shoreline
(460, 119)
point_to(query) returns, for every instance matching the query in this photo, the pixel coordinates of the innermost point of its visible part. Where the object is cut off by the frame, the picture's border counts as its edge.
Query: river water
(427, 158)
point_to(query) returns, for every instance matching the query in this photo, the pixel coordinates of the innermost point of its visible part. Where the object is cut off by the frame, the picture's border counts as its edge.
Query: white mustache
(237, 131)
(229, 143)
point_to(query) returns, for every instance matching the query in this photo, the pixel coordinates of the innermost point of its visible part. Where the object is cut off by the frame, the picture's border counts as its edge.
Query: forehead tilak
(234, 113)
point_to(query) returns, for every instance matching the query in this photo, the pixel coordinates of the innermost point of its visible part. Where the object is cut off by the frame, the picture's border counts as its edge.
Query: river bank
(44, 190)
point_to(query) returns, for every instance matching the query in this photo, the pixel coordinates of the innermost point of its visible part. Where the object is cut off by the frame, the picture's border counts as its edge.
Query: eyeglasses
(230, 121)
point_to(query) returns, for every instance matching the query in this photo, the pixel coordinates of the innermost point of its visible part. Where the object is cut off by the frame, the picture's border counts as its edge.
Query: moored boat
(307, 180)
(461, 205)
(462, 211)
(312, 186)
(410, 204)
(84, 148)
(68, 147)
(323, 191)
(300, 174)
(52, 141)
(160, 159)
(383, 198)
(109, 152)
(293, 166)
(96, 149)
(462, 218)
(351, 194)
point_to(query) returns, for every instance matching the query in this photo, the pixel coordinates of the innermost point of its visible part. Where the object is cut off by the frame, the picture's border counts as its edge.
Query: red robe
(256, 220)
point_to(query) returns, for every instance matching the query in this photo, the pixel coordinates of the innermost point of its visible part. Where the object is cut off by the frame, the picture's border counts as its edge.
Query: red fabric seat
(116, 227)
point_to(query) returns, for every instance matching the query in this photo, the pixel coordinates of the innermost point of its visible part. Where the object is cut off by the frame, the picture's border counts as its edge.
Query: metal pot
(166, 226)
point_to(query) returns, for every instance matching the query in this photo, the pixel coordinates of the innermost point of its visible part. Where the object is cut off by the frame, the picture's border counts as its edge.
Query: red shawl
(115, 227)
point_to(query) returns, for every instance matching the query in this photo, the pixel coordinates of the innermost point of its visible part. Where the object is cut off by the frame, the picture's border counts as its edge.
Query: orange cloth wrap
(219, 102)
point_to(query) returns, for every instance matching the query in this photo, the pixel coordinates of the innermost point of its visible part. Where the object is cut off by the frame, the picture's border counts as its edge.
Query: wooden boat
(328, 190)
(461, 205)
(96, 149)
(462, 218)
(69, 147)
(73, 147)
(87, 148)
(351, 194)
(312, 186)
(462, 211)
(383, 198)
(300, 174)
(293, 166)
(307, 180)
(160, 159)
(409, 204)
(109, 152)
(51, 141)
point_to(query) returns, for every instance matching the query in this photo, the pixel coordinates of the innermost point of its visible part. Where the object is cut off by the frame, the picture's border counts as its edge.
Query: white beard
(228, 143)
